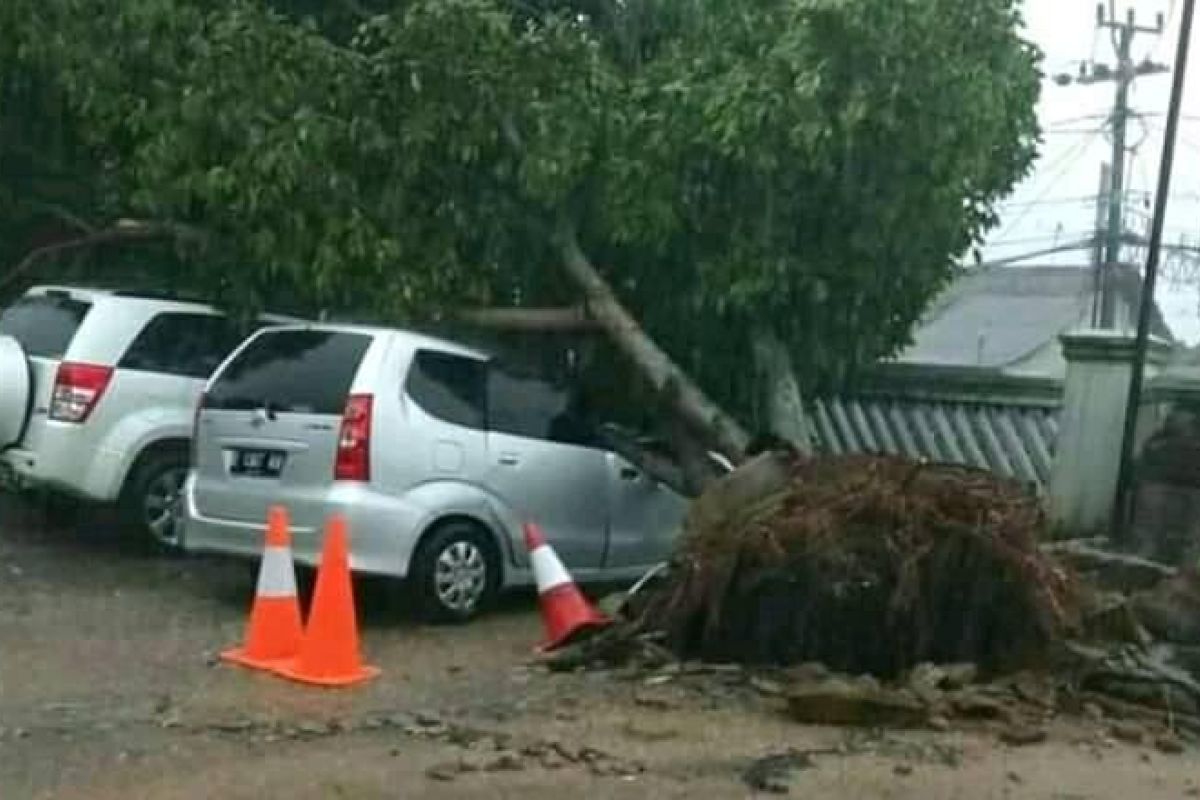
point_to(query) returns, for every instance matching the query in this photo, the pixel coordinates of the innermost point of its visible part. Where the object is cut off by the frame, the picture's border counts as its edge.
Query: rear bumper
(64, 463)
(383, 531)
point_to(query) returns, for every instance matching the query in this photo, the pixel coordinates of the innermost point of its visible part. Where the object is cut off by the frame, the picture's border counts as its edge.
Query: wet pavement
(110, 687)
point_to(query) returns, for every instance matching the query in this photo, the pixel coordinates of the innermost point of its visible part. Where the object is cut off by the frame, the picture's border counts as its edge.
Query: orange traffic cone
(273, 634)
(329, 654)
(565, 611)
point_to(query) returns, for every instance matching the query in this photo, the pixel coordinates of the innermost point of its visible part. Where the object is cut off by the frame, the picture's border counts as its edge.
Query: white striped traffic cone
(274, 632)
(565, 611)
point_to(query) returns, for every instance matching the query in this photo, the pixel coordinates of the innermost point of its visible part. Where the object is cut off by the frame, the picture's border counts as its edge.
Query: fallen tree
(880, 592)
(868, 564)
(720, 185)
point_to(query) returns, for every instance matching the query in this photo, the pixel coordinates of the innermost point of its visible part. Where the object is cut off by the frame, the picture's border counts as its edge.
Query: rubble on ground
(874, 591)
(1171, 610)
(1103, 569)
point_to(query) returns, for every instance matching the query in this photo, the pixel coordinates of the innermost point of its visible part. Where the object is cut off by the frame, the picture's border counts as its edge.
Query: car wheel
(455, 573)
(153, 496)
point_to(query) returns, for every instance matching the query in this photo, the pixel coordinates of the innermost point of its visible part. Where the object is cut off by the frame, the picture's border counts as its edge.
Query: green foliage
(811, 165)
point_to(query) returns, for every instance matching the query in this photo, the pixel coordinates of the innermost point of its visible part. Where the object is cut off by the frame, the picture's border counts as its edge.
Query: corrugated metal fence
(1009, 438)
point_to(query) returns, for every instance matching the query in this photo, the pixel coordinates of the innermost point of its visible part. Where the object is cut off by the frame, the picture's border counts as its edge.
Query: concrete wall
(1061, 435)
(1084, 477)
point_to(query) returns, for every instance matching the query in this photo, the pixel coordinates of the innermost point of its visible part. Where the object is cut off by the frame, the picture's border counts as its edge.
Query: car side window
(449, 387)
(536, 409)
(186, 345)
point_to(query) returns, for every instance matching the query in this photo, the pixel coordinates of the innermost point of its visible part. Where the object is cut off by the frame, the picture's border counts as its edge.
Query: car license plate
(258, 463)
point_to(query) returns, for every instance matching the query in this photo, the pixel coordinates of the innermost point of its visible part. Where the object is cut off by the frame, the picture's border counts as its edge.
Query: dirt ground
(109, 688)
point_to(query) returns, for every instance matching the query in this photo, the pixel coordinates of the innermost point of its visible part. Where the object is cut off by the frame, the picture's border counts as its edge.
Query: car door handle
(629, 474)
(509, 459)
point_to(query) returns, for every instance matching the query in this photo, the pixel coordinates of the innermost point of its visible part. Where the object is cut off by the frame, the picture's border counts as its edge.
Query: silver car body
(605, 519)
(138, 409)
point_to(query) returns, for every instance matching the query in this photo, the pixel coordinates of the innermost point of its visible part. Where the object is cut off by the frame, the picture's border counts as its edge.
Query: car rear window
(44, 324)
(299, 372)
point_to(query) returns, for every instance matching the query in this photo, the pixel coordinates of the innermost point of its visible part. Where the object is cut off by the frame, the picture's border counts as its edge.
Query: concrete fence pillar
(1083, 480)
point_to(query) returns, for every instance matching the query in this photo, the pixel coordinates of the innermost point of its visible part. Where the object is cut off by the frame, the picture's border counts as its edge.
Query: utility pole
(1102, 202)
(1123, 511)
(1113, 197)
(1124, 74)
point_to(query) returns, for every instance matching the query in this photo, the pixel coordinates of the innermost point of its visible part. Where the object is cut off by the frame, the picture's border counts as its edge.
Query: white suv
(98, 390)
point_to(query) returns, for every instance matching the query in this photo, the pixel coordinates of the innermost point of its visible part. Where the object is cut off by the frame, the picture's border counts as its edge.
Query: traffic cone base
(270, 614)
(273, 633)
(566, 613)
(329, 652)
(292, 671)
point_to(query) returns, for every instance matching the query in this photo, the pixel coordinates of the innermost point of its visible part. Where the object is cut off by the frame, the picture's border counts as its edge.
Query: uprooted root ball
(869, 564)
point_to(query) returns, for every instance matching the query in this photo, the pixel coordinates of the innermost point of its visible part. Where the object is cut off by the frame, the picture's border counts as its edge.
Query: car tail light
(354, 441)
(77, 390)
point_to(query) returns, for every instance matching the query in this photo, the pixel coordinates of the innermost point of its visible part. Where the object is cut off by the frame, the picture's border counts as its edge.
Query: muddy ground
(109, 688)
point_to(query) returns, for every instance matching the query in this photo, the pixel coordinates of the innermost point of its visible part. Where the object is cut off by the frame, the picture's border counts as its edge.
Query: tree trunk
(681, 397)
(782, 402)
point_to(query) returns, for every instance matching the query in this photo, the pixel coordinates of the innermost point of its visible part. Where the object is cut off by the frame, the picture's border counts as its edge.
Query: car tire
(150, 503)
(455, 573)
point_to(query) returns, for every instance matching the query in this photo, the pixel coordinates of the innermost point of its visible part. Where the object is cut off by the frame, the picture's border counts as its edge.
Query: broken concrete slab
(837, 701)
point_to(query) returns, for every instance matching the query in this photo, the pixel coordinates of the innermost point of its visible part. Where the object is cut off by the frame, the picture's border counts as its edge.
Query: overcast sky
(1057, 205)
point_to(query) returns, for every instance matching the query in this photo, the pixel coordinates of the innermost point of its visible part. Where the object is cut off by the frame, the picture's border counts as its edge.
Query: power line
(1083, 201)
(1064, 161)
(1068, 132)
(1052, 201)
(1085, 244)
(1154, 51)
(1076, 120)
(1049, 237)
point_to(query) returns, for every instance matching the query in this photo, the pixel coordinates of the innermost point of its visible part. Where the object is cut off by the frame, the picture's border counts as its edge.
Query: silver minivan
(435, 453)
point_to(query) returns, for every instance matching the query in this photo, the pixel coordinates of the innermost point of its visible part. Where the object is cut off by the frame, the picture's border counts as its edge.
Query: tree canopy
(809, 167)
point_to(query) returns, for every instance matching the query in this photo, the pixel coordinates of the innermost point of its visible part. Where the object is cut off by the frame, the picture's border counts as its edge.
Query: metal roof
(995, 317)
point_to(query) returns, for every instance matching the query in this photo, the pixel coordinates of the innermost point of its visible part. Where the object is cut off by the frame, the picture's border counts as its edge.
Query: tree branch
(67, 216)
(551, 320)
(124, 232)
(357, 10)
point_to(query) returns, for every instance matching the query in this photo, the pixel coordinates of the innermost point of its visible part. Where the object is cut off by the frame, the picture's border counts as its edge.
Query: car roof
(93, 294)
(163, 301)
(410, 338)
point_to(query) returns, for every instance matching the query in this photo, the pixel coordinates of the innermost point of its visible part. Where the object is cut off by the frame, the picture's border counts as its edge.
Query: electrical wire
(1068, 132)
(1170, 18)
(1188, 142)
(1052, 201)
(1049, 237)
(1085, 244)
(1076, 120)
(1065, 161)
(1143, 175)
